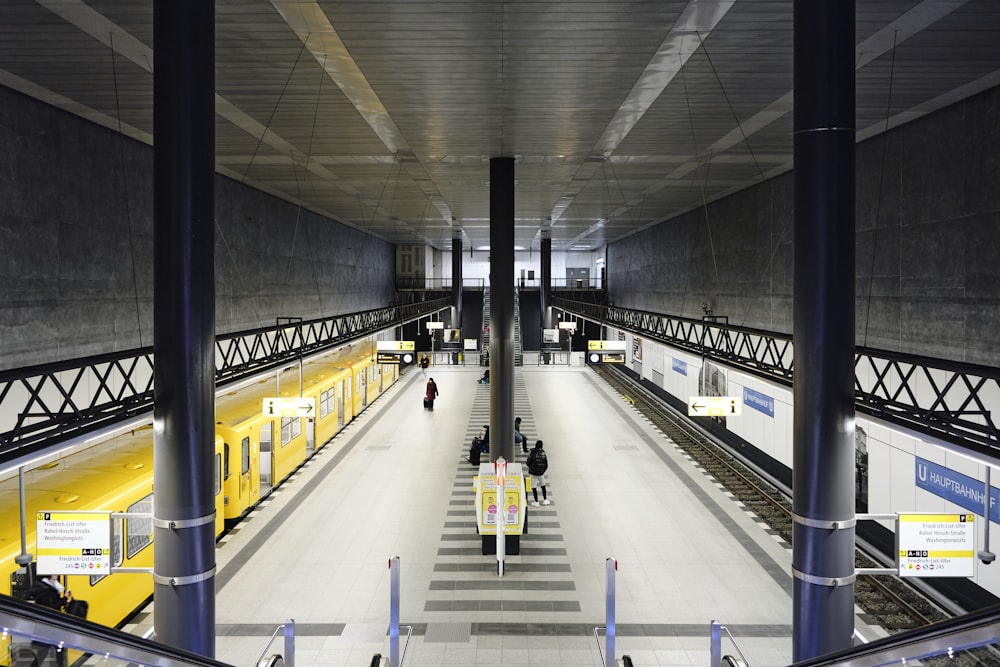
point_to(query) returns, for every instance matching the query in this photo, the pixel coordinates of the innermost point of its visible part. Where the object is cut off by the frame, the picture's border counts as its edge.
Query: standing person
(430, 394)
(49, 592)
(424, 363)
(538, 463)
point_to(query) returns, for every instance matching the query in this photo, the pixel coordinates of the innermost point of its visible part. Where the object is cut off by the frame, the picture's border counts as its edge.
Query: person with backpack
(48, 591)
(538, 464)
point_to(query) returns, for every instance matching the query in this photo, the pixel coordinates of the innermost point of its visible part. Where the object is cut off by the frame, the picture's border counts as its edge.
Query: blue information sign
(758, 401)
(679, 366)
(964, 491)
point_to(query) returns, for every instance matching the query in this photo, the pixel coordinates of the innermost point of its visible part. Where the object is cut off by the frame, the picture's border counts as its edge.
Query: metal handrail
(402, 654)
(597, 638)
(716, 650)
(288, 630)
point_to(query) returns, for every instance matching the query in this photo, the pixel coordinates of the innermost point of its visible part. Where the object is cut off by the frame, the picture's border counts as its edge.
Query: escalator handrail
(54, 627)
(972, 630)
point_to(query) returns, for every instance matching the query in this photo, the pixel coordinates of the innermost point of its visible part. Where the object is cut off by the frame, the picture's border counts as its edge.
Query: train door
(310, 436)
(340, 405)
(363, 376)
(266, 459)
(249, 484)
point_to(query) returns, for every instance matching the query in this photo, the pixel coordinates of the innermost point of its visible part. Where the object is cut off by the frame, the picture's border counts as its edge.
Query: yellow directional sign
(614, 345)
(289, 407)
(395, 346)
(715, 406)
(69, 542)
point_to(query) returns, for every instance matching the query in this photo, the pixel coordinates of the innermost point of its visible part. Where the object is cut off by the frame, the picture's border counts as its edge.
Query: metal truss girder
(54, 402)
(949, 400)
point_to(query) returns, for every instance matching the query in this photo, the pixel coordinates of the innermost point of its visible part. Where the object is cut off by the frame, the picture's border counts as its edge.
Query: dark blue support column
(823, 474)
(545, 274)
(456, 280)
(502, 307)
(184, 324)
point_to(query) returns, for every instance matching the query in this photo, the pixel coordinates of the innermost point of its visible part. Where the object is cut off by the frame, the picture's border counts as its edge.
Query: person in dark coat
(430, 394)
(538, 464)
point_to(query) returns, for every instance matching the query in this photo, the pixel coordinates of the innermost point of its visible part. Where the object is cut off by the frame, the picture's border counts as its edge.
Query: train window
(218, 472)
(291, 428)
(326, 402)
(246, 456)
(139, 532)
(116, 549)
(225, 461)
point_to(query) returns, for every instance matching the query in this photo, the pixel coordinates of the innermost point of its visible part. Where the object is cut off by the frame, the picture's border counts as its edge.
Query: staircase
(518, 351)
(486, 324)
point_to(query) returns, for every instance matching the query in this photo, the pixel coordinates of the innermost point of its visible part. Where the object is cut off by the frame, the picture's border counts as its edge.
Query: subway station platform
(397, 482)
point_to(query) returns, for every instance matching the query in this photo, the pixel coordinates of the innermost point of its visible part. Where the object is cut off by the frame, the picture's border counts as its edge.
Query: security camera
(986, 557)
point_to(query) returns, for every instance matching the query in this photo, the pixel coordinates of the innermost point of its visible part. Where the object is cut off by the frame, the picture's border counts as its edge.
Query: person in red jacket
(430, 394)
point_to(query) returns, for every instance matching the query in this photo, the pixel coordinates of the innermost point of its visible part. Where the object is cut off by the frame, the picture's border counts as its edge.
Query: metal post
(23, 559)
(985, 555)
(290, 643)
(184, 324)
(456, 281)
(500, 468)
(502, 308)
(545, 275)
(610, 567)
(715, 659)
(394, 611)
(823, 475)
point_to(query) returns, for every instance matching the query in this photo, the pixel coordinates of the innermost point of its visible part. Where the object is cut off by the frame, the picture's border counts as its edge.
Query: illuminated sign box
(395, 346)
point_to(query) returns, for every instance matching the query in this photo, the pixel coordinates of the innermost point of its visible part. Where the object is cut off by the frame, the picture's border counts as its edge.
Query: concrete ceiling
(384, 114)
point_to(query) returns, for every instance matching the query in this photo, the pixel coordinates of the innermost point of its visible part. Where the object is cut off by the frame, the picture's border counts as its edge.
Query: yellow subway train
(253, 454)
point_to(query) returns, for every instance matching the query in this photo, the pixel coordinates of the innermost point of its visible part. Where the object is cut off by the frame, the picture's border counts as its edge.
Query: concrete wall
(76, 267)
(928, 247)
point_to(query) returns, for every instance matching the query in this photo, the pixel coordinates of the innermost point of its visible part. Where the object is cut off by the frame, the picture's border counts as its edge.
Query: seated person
(486, 377)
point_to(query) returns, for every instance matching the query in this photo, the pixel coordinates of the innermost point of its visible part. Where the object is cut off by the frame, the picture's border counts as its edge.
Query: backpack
(474, 452)
(77, 608)
(538, 462)
(45, 595)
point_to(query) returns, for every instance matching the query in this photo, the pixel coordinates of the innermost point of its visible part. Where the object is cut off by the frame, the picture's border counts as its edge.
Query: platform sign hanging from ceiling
(714, 406)
(395, 346)
(283, 406)
(936, 545)
(73, 542)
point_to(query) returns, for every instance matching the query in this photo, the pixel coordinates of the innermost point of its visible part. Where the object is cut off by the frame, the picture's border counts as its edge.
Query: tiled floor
(396, 483)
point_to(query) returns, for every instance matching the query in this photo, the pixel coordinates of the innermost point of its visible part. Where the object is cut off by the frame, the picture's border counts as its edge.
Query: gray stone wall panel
(76, 223)
(928, 252)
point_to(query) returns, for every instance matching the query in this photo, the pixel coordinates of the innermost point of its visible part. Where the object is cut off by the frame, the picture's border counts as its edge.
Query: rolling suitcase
(429, 403)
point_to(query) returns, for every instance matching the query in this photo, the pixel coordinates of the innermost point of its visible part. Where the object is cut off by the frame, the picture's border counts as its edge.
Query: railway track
(891, 603)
